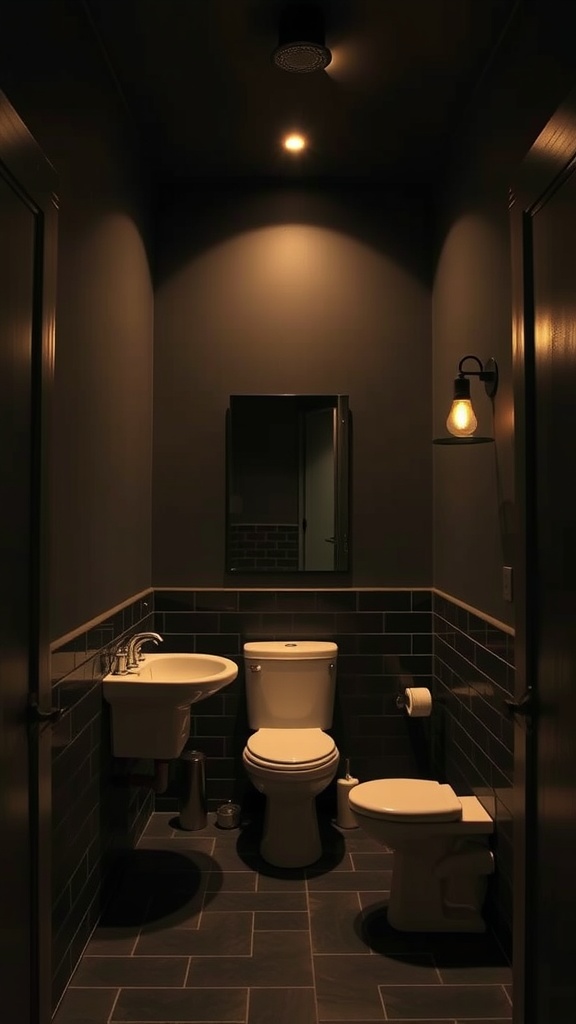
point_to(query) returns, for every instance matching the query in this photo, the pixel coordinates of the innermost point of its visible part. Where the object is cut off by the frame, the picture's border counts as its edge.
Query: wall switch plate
(507, 582)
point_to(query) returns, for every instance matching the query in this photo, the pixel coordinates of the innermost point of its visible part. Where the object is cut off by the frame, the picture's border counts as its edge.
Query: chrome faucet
(134, 653)
(118, 660)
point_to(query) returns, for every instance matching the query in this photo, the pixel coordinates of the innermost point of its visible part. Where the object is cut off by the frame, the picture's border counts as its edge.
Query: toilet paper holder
(416, 701)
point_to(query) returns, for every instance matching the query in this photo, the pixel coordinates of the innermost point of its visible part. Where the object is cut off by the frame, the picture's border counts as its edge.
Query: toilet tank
(290, 684)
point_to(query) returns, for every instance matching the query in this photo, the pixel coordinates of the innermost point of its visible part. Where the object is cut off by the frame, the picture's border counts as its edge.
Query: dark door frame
(549, 162)
(26, 169)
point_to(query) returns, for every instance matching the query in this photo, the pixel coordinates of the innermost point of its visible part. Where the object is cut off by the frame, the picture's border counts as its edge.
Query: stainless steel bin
(192, 802)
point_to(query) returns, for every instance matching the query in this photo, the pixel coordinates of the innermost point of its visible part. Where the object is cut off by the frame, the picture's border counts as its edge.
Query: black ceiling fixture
(301, 44)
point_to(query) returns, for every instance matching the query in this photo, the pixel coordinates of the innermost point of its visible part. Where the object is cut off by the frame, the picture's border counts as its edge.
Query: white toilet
(441, 853)
(290, 689)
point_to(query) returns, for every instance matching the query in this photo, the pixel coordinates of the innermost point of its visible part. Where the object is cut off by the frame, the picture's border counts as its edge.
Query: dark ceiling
(198, 78)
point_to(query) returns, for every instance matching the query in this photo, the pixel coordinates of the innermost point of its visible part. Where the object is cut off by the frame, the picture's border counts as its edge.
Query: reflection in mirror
(287, 502)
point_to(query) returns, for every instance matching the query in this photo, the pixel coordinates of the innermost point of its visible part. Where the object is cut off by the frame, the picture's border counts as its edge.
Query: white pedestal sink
(151, 705)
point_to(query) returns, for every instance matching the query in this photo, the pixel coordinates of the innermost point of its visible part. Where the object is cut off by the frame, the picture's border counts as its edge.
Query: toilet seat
(408, 800)
(290, 749)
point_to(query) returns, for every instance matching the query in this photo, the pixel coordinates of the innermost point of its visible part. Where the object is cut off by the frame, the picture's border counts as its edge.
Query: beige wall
(52, 71)
(266, 291)
(292, 290)
(474, 511)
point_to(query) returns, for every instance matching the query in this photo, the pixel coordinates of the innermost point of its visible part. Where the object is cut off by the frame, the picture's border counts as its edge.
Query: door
(544, 244)
(318, 519)
(27, 262)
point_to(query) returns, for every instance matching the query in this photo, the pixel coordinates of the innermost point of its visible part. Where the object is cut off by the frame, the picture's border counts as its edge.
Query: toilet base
(291, 838)
(443, 891)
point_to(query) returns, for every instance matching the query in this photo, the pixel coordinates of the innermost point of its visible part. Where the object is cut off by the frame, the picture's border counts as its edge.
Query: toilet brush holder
(344, 817)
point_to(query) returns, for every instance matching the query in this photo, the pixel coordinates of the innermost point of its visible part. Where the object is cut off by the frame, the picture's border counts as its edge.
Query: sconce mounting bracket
(488, 372)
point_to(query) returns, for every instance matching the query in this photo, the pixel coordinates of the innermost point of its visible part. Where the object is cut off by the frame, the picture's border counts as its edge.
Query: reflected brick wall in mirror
(266, 546)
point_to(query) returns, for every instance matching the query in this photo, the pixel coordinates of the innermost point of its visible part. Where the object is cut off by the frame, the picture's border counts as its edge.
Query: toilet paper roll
(418, 701)
(345, 818)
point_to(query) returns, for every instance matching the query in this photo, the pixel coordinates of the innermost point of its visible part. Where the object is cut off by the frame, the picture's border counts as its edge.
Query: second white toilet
(290, 687)
(441, 853)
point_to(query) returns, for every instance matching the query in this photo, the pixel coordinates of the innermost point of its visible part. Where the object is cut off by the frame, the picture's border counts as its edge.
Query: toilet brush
(345, 818)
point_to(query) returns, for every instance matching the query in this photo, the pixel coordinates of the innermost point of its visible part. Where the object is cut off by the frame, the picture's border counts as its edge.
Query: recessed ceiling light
(294, 143)
(301, 46)
(301, 57)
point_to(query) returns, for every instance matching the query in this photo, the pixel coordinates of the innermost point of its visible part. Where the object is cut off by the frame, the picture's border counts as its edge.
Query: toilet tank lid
(406, 800)
(282, 650)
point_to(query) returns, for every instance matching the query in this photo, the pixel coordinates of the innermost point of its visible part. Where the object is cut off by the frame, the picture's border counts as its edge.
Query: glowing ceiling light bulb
(294, 143)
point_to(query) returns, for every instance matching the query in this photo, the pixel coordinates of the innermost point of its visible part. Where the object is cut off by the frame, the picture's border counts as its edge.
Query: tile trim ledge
(475, 611)
(54, 644)
(67, 637)
(283, 590)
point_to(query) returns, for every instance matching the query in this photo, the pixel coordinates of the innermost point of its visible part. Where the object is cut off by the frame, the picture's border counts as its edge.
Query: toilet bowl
(441, 852)
(289, 758)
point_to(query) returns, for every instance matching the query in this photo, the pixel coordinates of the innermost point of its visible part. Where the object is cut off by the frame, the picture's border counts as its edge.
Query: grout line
(312, 964)
(355, 953)
(197, 1020)
(160, 988)
(143, 921)
(383, 984)
(113, 1007)
(379, 987)
(424, 984)
(128, 956)
(292, 931)
(187, 973)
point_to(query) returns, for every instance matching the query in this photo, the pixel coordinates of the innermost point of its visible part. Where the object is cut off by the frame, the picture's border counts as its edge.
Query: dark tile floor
(203, 930)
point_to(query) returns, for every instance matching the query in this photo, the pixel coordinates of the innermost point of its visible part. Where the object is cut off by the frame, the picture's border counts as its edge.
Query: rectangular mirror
(288, 466)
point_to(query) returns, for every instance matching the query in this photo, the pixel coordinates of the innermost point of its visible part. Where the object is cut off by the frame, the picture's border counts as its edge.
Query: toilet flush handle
(254, 667)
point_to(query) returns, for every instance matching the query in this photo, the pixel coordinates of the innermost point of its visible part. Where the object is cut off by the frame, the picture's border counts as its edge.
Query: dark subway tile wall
(472, 735)
(92, 818)
(385, 644)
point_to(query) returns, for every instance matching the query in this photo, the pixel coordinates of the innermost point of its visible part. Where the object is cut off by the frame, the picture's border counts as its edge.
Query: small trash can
(192, 803)
(228, 815)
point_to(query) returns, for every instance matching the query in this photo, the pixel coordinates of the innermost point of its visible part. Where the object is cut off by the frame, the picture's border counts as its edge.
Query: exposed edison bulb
(461, 420)
(294, 143)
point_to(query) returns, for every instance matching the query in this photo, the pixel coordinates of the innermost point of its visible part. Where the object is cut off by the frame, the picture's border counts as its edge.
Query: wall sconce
(462, 422)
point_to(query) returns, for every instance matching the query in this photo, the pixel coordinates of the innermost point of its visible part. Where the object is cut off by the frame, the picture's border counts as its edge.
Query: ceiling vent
(301, 47)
